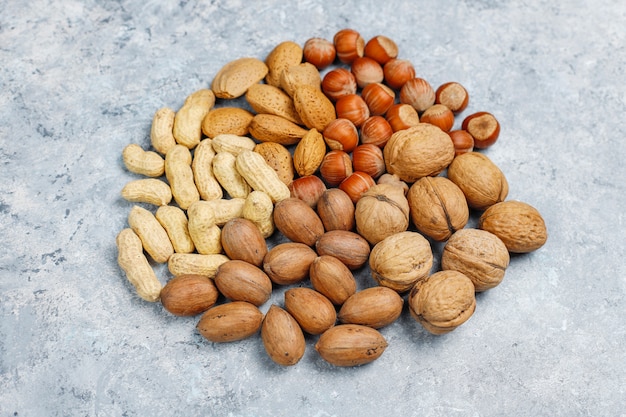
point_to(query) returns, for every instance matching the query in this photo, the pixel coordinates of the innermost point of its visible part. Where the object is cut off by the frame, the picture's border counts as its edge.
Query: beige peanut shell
(161, 136)
(147, 190)
(135, 265)
(153, 236)
(180, 176)
(174, 221)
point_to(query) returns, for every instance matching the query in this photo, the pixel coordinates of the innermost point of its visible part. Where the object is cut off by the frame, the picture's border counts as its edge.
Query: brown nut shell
(419, 151)
(443, 301)
(282, 337)
(482, 182)
(349, 247)
(401, 260)
(382, 211)
(242, 239)
(230, 322)
(298, 221)
(478, 254)
(188, 295)
(242, 281)
(438, 207)
(350, 345)
(288, 263)
(336, 210)
(332, 278)
(519, 225)
(312, 310)
(374, 307)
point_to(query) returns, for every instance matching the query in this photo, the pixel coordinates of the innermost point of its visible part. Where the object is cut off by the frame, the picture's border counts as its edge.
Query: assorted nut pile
(354, 160)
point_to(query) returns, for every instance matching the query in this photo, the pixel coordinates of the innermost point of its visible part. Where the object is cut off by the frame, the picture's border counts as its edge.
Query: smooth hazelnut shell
(397, 72)
(452, 95)
(341, 134)
(336, 166)
(368, 158)
(356, 184)
(418, 93)
(381, 49)
(338, 83)
(319, 52)
(402, 116)
(366, 71)
(349, 45)
(484, 128)
(378, 98)
(440, 116)
(353, 108)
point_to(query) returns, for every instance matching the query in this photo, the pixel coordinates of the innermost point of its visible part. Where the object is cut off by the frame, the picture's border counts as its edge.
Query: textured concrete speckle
(82, 79)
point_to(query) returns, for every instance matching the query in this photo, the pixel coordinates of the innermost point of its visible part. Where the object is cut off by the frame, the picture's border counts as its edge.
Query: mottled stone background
(81, 79)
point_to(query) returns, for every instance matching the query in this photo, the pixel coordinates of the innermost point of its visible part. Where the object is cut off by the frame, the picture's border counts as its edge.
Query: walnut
(443, 301)
(400, 260)
(438, 207)
(479, 254)
(382, 211)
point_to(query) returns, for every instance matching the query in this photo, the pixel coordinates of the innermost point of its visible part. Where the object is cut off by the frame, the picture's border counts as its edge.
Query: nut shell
(230, 322)
(350, 345)
(298, 221)
(336, 210)
(401, 260)
(288, 263)
(242, 281)
(519, 225)
(242, 239)
(282, 337)
(482, 182)
(374, 307)
(382, 211)
(419, 151)
(332, 278)
(349, 247)
(188, 295)
(478, 254)
(443, 301)
(438, 207)
(313, 311)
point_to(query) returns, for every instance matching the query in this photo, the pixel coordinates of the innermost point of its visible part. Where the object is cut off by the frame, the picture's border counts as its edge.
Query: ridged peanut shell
(519, 225)
(282, 337)
(313, 107)
(235, 77)
(188, 295)
(400, 260)
(438, 207)
(313, 311)
(349, 247)
(419, 151)
(482, 182)
(241, 281)
(332, 278)
(382, 211)
(373, 307)
(442, 301)
(478, 254)
(350, 345)
(298, 221)
(230, 322)
(288, 263)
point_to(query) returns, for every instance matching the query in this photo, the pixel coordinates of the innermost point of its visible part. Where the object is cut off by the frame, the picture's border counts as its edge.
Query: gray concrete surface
(81, 79)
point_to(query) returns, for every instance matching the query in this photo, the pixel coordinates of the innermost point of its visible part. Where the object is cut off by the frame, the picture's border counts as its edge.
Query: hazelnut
(480, 255)
(349, 45)
(319, 52)
(402, 116)
(336, 210)
(397, 72)
(366, 71)
(463, 142)
(483, 127)
(341, 134)
(418, 93)
(438, 207)
(482, 182)
(440, 116)
(376, 130)
(443, 301)
(452, 95)
(356, 184)
(368, 158)
(353, 108)
(381, 49)
(308, 189)
(337, 83)
(400, 260)
(382, 211)
(335, 167)
(378, 98)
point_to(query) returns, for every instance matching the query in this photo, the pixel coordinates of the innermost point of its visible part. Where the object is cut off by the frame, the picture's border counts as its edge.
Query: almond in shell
(234, 78)
(229, 120)
(309, 153)
(267, 99)
(350, 345)
(279, 158)
(315, 109)
(230, 322)
(284, 55)
(272, 128)
(302, 74)
(282, 337)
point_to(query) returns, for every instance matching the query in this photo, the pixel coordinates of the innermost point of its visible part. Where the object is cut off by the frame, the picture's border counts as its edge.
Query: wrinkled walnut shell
(382, 211)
